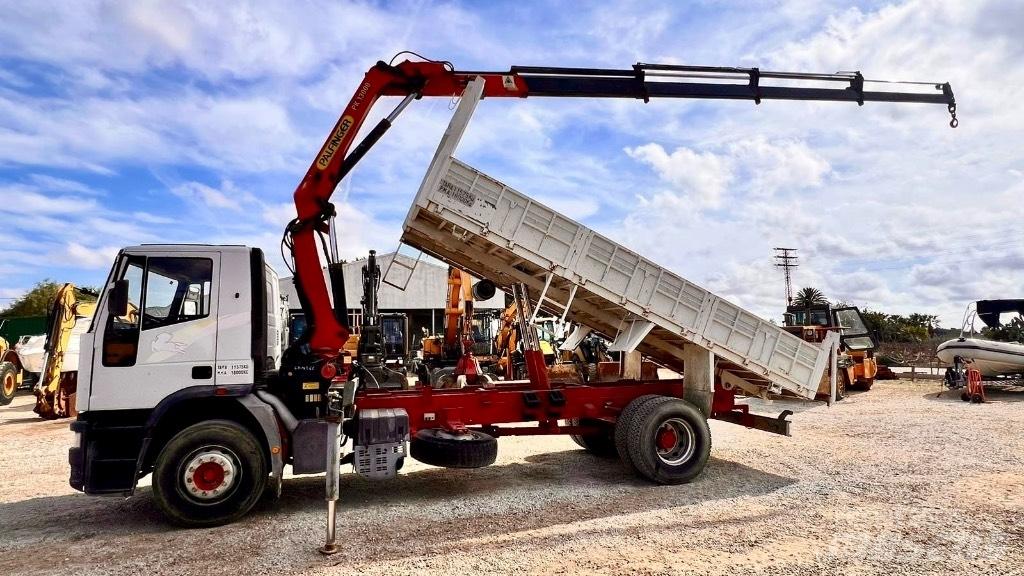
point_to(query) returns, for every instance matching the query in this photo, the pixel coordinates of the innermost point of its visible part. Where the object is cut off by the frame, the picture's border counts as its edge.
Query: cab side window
(162, 291)
(121, 335)
(177, 290)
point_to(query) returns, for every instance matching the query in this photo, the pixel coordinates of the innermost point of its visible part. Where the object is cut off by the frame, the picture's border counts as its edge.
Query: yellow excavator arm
(55, 391)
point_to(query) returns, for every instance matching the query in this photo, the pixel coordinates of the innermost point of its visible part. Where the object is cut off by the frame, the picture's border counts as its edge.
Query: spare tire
(438, 447)
(8, 382)
(599, 444)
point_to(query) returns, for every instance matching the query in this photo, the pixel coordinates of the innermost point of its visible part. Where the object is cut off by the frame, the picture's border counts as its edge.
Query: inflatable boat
(990, 358)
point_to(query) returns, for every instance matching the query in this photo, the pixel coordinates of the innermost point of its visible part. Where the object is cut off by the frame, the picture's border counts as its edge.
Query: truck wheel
(600, 444)
(621, 433)
(209, 474)
(443, 378)
(669, 441)
(8, 382)
(438, 447)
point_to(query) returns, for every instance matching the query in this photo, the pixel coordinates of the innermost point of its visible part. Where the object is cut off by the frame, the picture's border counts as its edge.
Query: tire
(621, 433)
(439, 447)
(669, 441)
(194, 459)
(965, 396)
(8, 382)
(442, 378)
(600, 444)
(840, 387)
(866, 384)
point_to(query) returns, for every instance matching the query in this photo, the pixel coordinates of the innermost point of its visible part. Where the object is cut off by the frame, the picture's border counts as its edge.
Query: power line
(786, 259)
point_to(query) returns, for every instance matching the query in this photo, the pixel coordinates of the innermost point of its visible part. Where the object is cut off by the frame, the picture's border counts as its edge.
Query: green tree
(808, 296)
(37, 301)
(1012, 331)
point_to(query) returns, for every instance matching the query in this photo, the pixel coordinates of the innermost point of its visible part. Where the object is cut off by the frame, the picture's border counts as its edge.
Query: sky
(138, 122)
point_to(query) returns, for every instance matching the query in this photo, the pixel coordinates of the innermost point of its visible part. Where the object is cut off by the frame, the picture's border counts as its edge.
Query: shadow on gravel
(19, 408)
(994, 393)
(28, 420)
(425, 509)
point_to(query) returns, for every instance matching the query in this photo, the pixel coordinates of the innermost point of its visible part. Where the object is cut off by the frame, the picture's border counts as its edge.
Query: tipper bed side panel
(508, 230)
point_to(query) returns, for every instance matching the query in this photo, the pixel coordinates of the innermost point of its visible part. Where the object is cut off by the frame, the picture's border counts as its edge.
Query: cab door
(167, 338)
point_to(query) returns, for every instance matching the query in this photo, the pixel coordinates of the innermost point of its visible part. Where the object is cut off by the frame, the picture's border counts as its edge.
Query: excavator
(452, 354)
(55, 390)
(510, 364)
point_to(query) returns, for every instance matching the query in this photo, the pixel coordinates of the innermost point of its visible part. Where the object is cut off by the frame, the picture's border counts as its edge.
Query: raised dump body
(475, 222)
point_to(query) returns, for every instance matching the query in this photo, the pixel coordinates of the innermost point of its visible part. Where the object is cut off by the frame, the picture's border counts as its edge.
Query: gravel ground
(894, 481)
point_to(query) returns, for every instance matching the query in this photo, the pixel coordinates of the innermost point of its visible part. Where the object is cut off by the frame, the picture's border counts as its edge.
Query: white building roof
(427, 288)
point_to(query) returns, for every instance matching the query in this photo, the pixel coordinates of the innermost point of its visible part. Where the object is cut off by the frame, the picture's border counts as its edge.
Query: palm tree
(807, 297)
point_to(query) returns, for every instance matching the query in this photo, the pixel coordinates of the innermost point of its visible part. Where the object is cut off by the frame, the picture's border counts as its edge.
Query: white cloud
(80, 256)
(703, 176)
(770, 167)
(227, 197)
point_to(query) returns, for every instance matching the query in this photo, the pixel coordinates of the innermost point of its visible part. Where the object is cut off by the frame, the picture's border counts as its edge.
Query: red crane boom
(327, 329)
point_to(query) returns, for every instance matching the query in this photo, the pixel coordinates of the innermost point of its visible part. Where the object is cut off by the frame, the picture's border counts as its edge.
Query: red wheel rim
(667, 438)
(208, 476)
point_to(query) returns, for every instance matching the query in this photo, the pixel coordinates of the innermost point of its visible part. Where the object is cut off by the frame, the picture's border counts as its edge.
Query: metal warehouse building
(423, 299)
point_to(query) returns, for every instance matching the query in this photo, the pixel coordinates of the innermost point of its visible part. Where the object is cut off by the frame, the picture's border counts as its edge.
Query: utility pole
(786, 259)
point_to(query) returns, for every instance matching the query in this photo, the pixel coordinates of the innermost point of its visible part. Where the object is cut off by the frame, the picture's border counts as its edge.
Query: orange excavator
(450, 355)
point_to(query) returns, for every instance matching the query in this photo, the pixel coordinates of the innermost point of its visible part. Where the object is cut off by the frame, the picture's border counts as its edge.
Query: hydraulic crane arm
(413, 80)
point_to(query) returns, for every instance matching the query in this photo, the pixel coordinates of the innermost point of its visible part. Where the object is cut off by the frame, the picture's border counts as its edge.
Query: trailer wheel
(8, 382)
(439, 447)
(600, 444)
(621, 433)
(669, 441)
(209, 474)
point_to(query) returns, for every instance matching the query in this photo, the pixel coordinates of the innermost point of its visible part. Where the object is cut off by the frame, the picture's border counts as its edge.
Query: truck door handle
(202, 372)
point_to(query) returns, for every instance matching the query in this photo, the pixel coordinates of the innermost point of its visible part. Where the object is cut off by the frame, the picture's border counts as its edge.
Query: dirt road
(893, 481)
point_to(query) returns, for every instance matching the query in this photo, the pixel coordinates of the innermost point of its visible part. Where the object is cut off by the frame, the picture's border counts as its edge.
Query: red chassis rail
(486, 408)
(412, 80)
(516, 402)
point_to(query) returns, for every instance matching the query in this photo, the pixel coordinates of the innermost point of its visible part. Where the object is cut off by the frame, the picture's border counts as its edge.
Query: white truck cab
(182, 334)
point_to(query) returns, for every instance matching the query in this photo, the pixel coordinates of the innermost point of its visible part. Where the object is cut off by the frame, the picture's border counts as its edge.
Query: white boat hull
(990, 358)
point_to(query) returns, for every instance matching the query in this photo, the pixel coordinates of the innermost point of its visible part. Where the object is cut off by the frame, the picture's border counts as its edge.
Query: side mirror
(117, 298)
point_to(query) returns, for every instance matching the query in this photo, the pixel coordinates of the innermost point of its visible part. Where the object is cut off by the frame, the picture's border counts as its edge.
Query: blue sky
(131, 122)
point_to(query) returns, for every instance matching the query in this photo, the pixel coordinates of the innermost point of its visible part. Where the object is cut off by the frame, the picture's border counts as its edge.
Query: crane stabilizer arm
(413, 80)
